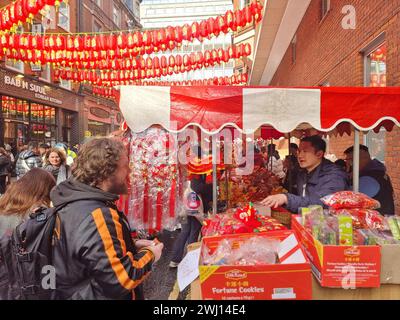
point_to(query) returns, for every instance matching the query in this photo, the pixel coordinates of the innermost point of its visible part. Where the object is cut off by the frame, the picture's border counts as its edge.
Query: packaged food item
(363, 218)
(393, 223)
(350, 200)
(240, 220)
(252, 252)
(345, 225)
(304, 212)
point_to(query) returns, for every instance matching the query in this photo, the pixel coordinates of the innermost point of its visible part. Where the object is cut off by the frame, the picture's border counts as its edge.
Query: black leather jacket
(94, 254)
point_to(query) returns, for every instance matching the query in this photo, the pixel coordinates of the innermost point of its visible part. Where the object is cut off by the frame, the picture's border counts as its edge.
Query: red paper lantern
(225, 56)
(171, 61)
(195, 28)
(161, 36)
(121, 41)
(230, 20)
(164, 63)
(111, 42)
(247, 49)
(147, 38)
(78, 43)
(13, 14)
(60, 43)
(178, 34)
(20, 11)
(248, 15)
(204, 29)
(238, 18)
(186, 32)
(222, 24)
(169, 34)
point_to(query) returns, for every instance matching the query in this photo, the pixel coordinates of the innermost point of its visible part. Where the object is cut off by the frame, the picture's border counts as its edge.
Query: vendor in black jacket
(374, 180)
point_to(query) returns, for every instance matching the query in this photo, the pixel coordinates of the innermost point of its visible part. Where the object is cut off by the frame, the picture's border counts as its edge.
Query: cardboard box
(340, 266)
(290, 279)
(390, 260)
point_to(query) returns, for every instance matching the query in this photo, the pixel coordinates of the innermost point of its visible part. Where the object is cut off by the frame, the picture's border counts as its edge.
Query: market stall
(298, 111)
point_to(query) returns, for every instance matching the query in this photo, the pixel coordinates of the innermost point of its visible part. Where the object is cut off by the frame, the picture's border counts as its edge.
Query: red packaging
(340, 266)
(350, 200)
(288, 280)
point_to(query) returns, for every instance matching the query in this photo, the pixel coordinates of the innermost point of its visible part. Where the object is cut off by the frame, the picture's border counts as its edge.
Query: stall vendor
(319, 177)
(374, 180)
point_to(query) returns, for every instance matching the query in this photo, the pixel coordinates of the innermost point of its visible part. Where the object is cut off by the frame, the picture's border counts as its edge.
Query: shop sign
(38, 90)
(100, 113)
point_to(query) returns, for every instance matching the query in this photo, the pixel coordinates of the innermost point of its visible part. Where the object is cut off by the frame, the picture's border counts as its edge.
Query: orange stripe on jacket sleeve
(118, 227)
(109, 249)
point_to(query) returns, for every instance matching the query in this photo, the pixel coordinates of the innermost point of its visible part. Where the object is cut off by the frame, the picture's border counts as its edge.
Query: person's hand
(157, 250)
(140, 244)
(275, 201)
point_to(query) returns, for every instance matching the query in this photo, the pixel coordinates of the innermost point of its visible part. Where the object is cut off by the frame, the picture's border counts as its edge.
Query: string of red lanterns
(149, 68)
(67, 49)
(22, 11)
(111, 93)
(236, 79)
(152, 67)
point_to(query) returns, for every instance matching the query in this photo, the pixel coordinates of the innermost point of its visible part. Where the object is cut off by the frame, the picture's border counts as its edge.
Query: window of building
(64, 16)
(67, 126)
(46, 73)
(97, 26)
(43, 123)
(325, 7)
(294, 49)
(15, 109)
(375, 76)
(117, 16)
(129, 4)
(376, 66)
(66, 84)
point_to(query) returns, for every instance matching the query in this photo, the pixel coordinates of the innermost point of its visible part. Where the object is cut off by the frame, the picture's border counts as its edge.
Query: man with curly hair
(94, 254)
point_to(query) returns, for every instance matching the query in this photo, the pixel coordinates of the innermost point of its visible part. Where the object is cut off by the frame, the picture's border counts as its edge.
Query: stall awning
(249, 108)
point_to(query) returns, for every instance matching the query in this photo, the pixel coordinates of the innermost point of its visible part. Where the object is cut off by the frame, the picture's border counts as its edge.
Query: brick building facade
(323, 52)
(101, 116)
(35, 107)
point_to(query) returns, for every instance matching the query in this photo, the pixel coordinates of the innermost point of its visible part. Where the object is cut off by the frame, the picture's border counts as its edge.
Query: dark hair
(351, 149)
(271, 148)
(44, 146)
(317, 142)
(98, 160)
(293, 146)
(32, 189)
(60, 153)
(341, 163)
(33, 145)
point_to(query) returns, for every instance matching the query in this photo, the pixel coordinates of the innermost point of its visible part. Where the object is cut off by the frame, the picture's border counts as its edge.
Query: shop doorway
(15, 134)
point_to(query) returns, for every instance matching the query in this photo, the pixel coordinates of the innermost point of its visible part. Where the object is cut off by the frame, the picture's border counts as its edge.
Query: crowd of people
(94, 253)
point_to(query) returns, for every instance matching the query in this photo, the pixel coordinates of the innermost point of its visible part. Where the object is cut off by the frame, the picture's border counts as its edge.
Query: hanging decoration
(20, 11)
(155, 67)
(69, 49)
(112, 93)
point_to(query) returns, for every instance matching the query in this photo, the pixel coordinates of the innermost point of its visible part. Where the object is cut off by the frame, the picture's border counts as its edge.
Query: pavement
(161, 282)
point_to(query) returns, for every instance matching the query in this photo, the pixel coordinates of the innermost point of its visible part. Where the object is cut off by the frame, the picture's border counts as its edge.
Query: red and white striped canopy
(249, 108)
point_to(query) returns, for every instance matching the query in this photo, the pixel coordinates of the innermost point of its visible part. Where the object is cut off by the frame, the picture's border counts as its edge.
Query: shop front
(33, 110)
(103, 118)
